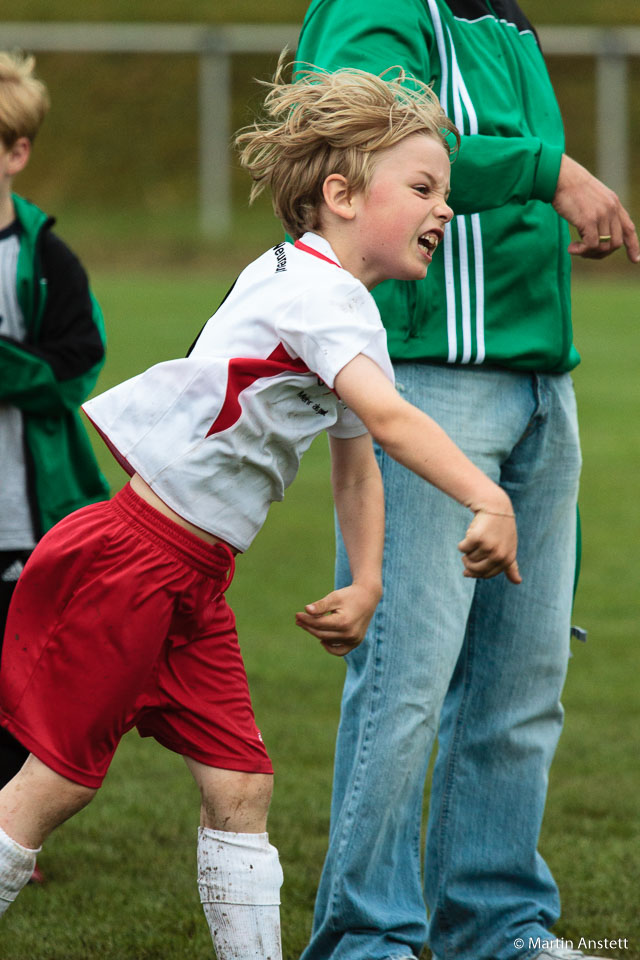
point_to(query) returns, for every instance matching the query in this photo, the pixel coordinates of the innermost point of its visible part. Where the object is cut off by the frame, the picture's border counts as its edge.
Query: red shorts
(119, 620)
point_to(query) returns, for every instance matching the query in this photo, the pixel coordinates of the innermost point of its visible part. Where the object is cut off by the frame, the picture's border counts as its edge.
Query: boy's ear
(338, 197)
(18, 156)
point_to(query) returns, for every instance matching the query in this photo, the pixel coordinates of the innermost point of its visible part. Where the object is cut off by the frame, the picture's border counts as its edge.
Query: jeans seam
(377, 636)
(447, 923)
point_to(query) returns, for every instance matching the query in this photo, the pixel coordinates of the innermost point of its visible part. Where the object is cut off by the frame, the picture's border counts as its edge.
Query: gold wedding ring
(605, 238)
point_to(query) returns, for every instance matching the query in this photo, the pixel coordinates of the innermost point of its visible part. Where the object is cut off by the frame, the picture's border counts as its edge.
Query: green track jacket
(53, 371)
(498, 290)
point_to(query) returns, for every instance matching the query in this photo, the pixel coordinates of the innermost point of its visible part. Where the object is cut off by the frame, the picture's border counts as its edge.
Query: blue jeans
(480, 664)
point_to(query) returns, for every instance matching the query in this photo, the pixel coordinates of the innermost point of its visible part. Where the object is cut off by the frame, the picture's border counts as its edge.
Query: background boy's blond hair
(328, 123)
(24, 100)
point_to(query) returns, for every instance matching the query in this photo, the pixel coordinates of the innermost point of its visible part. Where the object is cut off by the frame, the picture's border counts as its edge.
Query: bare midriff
(144, 491)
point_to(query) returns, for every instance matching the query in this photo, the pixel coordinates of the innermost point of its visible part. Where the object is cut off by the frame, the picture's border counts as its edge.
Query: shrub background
(118, 153)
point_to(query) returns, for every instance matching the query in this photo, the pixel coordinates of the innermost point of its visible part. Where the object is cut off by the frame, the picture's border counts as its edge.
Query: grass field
(121, 876)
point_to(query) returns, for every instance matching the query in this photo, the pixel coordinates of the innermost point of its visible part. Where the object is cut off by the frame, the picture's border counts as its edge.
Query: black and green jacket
(498, 290)
(49, 374)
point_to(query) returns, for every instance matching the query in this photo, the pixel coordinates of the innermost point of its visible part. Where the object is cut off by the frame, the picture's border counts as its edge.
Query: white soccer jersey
(219, 435)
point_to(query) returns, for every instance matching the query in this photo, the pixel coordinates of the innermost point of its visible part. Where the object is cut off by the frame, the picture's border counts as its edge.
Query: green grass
(121, 875)
(592, 830)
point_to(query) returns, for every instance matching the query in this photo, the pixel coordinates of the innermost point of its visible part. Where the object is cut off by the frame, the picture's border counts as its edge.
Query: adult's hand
(596, 212)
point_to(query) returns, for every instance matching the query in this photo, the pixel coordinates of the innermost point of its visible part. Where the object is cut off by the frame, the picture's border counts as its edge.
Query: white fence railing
(214, 46)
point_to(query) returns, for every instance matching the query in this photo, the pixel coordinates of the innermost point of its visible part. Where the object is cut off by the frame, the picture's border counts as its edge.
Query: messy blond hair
(328, 123)
(24, 100)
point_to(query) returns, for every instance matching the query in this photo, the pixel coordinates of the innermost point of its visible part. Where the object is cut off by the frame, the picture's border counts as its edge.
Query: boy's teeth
(430, 240)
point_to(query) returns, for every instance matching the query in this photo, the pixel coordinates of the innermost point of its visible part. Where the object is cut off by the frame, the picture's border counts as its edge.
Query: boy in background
(51, 350)
(131, 627)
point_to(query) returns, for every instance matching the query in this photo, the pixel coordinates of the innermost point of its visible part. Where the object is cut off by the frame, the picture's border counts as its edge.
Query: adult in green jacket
(484, 345)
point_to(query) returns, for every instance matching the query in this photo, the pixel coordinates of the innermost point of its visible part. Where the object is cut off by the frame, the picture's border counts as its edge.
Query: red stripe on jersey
(243, 371)
(303, 246)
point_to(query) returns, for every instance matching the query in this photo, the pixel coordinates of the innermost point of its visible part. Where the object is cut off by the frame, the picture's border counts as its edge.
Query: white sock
(16, 866)
(239, 879)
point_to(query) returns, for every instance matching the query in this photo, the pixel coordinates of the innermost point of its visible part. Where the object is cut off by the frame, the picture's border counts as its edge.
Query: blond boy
(358, 168)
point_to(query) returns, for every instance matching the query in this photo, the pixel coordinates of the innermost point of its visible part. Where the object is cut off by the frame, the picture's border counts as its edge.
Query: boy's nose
(444, 212)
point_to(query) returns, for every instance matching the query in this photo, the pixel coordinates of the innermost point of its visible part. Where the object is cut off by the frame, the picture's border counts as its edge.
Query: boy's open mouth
(429, 241)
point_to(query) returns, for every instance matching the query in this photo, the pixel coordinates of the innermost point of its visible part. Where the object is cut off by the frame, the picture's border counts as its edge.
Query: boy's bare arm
(340, 620)
(415, 440)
